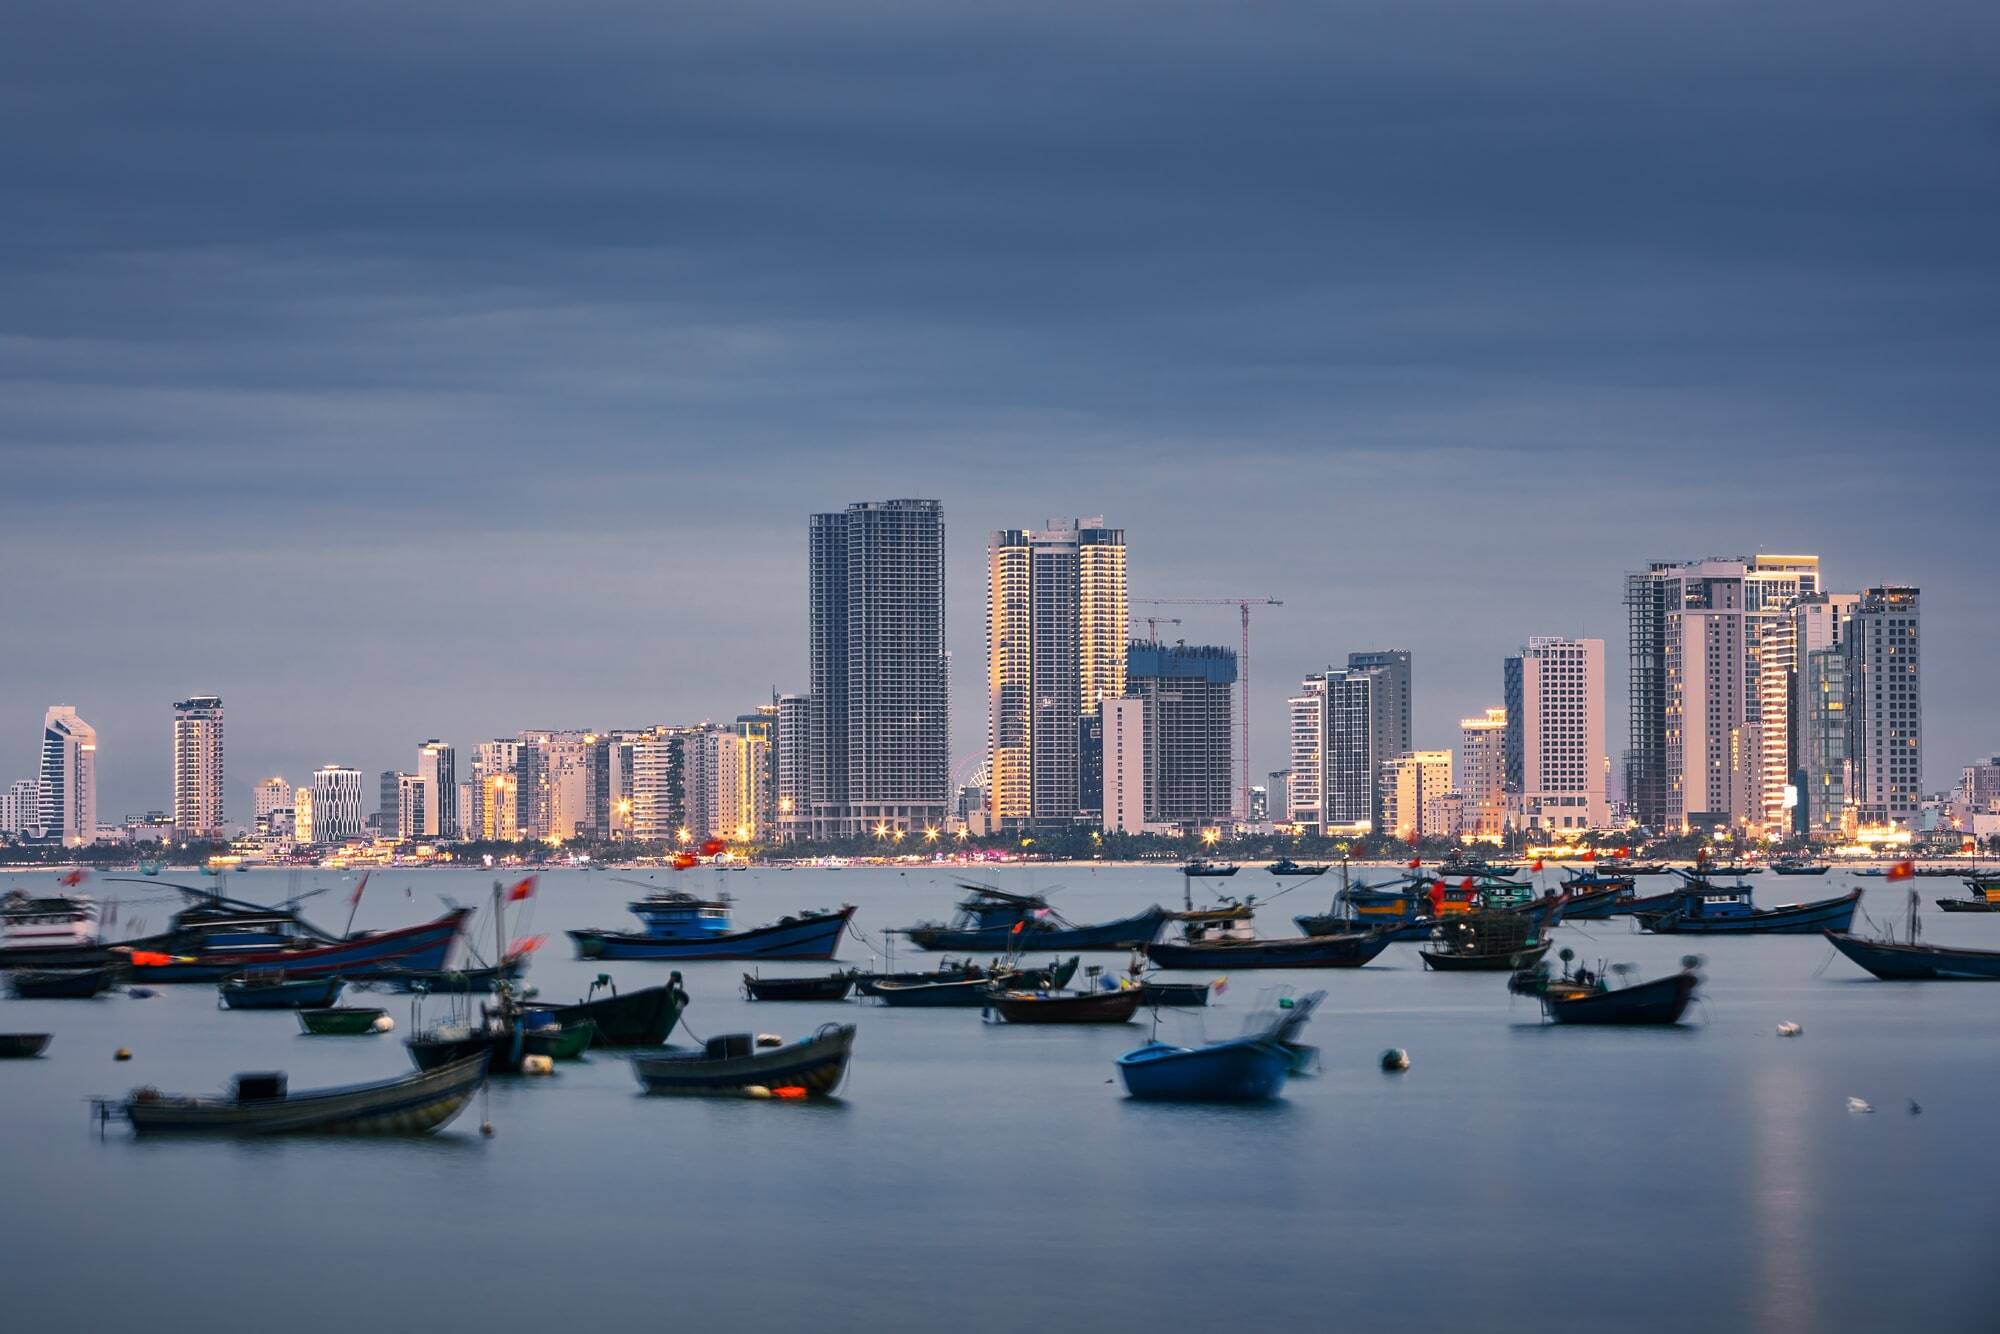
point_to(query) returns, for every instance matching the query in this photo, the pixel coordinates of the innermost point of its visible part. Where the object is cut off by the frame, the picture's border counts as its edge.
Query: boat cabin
(677, 916)
(31, 923)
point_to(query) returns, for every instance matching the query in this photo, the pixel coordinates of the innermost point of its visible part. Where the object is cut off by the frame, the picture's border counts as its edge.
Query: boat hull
(378, 954)
(1345, 951)
(1918, 963)
(832, 988)
(452, 981)
(80, 984)
(1793, 919)
(816, 1065)
(22, 1046)
(1596, 904)
(1176, 995)
(1661, 1001)
(560, 1044)
(640, 1018)
(352, 1021)
(1445, 961)
(412, 1105)
(287, 995)
(967, 994)
(1244, 1070)
(1083, 1007)
(813, 936)
(1127, 933)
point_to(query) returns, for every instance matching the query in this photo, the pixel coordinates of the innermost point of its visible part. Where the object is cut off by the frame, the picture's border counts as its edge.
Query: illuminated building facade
(1412, 785)
(266, 800)
(68, 796)
(437, 765)
(1389, 700)
(336, 804)
(1335, 774)
(1885, 706)
(198, 766)
(1562, 735)
(1482, 774)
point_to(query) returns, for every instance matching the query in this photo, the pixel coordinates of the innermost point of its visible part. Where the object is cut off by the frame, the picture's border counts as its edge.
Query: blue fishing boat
(372, 954)
(1351, 950)
(1911, 960)
(992, 920)
(1235, 1070)
(1596, 896)
(1587, 997)
(1704, 908)
(274, 991)
(681, 926)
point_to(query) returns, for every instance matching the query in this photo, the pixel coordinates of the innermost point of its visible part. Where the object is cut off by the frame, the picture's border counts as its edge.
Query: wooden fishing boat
(1286, 866)
(682, 926)
(372, 954)
(1175, 995)
(1985, 896)
(453, 981)
(992, 920)
(1234, 1070)
(1212, 870)
(260, 991)
(954, 994)
(566, 1042)
(1229, 920)
(22, 1046)
(1345, 951)
(1702, 908)
(640, 1018)
(340, 1021)
(1114, 1006)
(1485, 942)
(832, 987)
(1599, 900)
(1801, 868)
(1054, 977)
(70, 984)
(734, 1066)
(1911, 960)
(260, 1104)
(1587, 997)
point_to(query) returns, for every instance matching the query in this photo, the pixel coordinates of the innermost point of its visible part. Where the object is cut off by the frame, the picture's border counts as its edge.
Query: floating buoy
(383, 1024)
(1788, 1029)
(769, 1040)
(122, 1054)
(141, 993)
(1858, 1105)
(1916, 1108)
(788, 1091)
(486, 1129)
(1395, 1059)
(756, 1091)
(538, 1065)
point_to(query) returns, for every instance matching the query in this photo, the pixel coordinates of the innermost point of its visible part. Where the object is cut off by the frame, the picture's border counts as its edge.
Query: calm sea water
(986, 1177)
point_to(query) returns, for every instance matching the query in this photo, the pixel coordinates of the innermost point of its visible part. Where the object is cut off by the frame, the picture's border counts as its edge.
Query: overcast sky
(414, 369)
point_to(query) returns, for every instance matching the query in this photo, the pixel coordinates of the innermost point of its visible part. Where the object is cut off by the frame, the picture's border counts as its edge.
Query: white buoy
(538, 1065)
(769, 1040)
(1395, 1059)
(1858, 1105)
(1788, 1029)
(756, 1091)
(383, 1024)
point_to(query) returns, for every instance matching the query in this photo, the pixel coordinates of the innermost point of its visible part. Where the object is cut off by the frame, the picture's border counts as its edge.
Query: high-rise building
(1562, 735)
(1815, 711)
(1515, 752)
(659, 784)
(880, 678)
(496, 791)
(1055, 645)
(1124, 781)
(336, 804)
(552, 773)
(793, 762)
(21, 808)
(68, 793)
(302, 814)
(1411, 786)
(412, 807)
(437, 765)
(198, 766)
(1335, 770)
(1978, 791)
(1885, 718)
(1482, 773)
(1697, 695)
(1390, 700)
(267, 798)
(1189, 742)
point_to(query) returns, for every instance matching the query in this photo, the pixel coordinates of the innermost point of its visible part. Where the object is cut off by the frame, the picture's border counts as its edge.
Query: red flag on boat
(526, 945)
(1624, 852)
(1437, 895)
(1590, 854)
(1017, 927)
(354, 900)
(74, 878)
(1414, 863)
(1467, 884)
(683, 860)
(1537, 866)
(1902, 871)
(521, 890)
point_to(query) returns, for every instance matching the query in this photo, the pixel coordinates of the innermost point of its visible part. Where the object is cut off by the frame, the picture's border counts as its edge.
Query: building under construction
(1188, 693)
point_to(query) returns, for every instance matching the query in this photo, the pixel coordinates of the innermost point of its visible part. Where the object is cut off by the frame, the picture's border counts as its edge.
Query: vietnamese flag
(1537, 866)
(1414, 863)
(1624, 852)
(1902, 871)
(522, 889)
(1437, 896)
(683, 860)
(525, 946)
(74, 878)
(713, 847)
(1968, 846)
(1467, 884)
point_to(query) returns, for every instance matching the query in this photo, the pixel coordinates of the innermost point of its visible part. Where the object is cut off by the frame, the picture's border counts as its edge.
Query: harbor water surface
(977, 1176)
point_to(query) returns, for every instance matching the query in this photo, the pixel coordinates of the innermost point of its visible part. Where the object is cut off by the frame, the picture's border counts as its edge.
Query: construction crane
(1153, 624)
(1242, 802)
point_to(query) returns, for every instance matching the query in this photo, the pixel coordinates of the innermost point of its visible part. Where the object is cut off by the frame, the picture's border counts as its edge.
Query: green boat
(641, 1018)
(563, 1044)
(339, 1021)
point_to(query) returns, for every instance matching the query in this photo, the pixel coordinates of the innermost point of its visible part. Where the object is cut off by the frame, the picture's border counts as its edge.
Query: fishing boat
(371, 954)
(1799, 866)
(1985, 896)
(22, 1046)
(1198, 867)
(1704, 908)
(1351, 950)
(561, 1042)
(1234, 1070)
(682, 926)
(47, 929)
(992, 920)
(1175, 995)
(265, 990)
(1286, 866)
(1114, 1005)
(1587, 997)
(209, 921)
(961, 985)
(831, 987)
(1339, 923)
(71, 984)
(1739, 870)
(1911, 960)
(954, 994)
(1596, 897)
(1229, 920)
(341, 1021)
(454, 981)
(261, 1104)
(1487, 942)
(735, 1066)
(641, 1018)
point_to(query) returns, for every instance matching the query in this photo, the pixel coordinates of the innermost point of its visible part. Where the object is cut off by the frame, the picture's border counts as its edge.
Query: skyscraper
(1885, 718)
(793, 761)
(1816, 712)
(1055, 645)
(21, 808)
(1390, 702)
(269, 797)
(198, 766)
(68, 777)
(1188, 692)
(1482, 772)
(336, 804)
(437, 765)
(1562, 735)
(1124, 780)
(880, 678)
(1411, 785)
(1335, 767)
